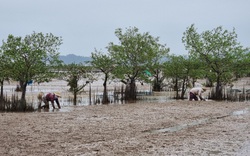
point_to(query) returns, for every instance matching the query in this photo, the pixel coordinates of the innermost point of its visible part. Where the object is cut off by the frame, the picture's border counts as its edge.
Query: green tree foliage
(74, 73)
(196, 70)
(184, 71)
(5, 72)
(219, 50)
(33, 57)
(157, 67)
(104, 63)
(132, 56)
(176, 68)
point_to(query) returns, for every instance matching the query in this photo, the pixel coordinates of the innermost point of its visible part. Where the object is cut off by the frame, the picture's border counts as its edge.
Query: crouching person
(40, 99)
(50, 97)
(196, 94)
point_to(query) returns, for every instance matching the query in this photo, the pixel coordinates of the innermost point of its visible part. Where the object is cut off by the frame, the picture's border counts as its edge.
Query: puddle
(63, 109)
(198, 122)
(245, 149)
(183, 126)
(241, 112)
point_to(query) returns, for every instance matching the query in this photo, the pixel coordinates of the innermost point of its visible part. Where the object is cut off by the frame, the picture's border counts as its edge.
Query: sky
(86, 25)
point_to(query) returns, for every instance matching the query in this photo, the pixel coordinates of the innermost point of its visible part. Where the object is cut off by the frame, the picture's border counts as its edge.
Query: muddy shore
(169, 128)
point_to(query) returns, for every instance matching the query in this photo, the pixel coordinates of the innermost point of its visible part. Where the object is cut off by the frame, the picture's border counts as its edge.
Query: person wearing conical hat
(40, 97)
(196, 93)
(50, 97)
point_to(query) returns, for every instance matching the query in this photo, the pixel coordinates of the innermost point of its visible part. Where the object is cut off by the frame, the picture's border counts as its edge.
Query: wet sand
(198, 128)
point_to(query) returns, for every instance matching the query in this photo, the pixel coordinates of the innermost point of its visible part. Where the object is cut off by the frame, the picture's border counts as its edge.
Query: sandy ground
(156, 128)
(170, 128)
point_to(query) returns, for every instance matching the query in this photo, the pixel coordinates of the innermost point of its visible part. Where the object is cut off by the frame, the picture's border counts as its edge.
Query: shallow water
(63, 109)
(198, 122)
(245, 149)
(183, 126)
(241, 112)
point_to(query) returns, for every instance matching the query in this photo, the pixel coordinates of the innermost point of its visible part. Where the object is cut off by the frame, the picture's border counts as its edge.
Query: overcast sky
(88, 24)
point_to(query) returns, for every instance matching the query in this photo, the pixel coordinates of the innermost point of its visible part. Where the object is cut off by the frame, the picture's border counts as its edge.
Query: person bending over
(50, 97)
(196, 94)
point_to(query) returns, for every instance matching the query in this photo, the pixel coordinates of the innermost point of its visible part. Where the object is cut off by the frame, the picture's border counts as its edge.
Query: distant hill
(71, 58)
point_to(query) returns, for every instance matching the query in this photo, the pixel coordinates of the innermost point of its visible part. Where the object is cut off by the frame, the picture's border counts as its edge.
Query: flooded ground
(243, 85)
(153, 126)
(199, 122)
(84, 99)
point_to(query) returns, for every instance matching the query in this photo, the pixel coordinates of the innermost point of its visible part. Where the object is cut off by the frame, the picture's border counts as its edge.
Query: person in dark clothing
(50, 97)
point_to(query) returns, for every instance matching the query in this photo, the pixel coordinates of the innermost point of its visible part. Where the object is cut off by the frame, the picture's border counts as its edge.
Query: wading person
(196, 94)
(46, 98)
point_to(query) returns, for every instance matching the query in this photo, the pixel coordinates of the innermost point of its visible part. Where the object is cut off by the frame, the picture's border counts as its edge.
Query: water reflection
(63, 109)
(198, 122)
(241, 112)
(183, 126)
(84, 101)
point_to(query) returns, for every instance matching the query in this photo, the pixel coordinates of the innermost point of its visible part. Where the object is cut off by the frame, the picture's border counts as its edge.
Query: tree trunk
(218, 90)
(23, 105)
(209, 82)
(130, 91)
(75, 97)
(157, 83)
(157, 86)
(183, 88)
(105, 99)
(193, 81)
(176, 88)
(23, 88)
(1, 96)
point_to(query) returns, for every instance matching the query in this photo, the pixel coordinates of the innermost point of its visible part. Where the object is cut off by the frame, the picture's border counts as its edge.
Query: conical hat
(203, 88)
(57, 94)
